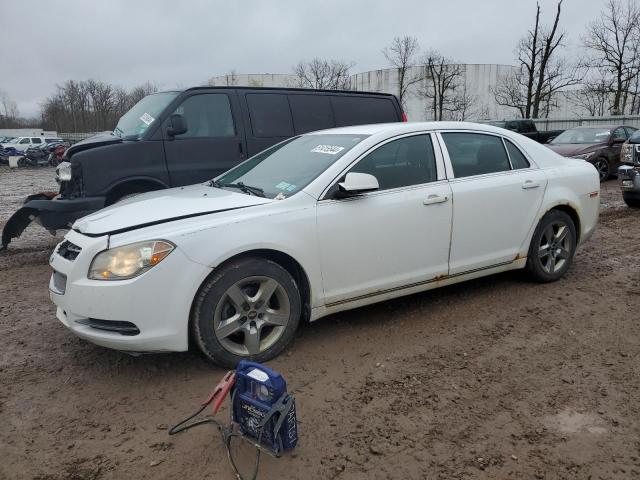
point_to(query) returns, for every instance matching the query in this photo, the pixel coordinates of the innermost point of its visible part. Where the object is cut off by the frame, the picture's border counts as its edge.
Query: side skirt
(381, 296)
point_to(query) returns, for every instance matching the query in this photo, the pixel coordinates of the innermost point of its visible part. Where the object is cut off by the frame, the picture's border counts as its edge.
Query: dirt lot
(497, 378)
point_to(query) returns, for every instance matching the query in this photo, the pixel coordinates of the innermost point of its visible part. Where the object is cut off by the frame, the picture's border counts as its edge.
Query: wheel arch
(570, 210)
(131, 185)
(283, 259)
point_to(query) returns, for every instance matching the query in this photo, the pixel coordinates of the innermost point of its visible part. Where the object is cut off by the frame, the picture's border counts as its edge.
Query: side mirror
(177, 125)
(357, 184)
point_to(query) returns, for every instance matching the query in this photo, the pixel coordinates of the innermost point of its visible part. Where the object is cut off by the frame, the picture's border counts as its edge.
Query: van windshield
(288, 167)
(136, 121)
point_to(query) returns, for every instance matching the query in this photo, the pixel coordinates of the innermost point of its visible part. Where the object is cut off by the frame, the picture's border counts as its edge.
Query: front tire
(631, 202)
(602, 165)
(249, 310)
(552, 248)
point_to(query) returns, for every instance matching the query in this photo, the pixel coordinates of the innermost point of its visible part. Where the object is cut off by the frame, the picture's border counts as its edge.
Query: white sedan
(317, 224)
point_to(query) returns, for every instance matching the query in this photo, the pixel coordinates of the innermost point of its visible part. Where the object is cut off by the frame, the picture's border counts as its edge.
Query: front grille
(68, 250)
(123, 328)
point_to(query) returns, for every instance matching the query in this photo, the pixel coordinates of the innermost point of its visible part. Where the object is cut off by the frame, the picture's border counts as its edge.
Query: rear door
(212, 143)
(497, 193)
(268, 119)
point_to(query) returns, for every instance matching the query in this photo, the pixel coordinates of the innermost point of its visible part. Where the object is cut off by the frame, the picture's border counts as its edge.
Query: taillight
(404, 117)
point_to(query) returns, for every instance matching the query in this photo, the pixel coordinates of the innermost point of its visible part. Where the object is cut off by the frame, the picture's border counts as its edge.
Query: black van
(174, 138)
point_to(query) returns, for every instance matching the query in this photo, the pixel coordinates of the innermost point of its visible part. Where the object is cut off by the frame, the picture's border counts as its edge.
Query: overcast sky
(183, 43)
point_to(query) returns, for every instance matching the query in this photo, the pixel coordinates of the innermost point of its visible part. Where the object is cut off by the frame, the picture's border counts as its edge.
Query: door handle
(433, 199)
(530, 184)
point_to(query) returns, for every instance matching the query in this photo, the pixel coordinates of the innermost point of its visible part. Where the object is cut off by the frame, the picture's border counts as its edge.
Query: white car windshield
(288, 167)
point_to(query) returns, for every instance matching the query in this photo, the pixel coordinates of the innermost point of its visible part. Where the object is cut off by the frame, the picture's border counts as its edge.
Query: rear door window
(208, 116)
(270, 115)
(311, 112)
(518, 160)
(360, 110)
(36, 140)
(475, 153)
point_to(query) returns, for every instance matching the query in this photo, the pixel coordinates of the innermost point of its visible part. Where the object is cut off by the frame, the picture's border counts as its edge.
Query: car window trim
(449, 165)
(440, 166)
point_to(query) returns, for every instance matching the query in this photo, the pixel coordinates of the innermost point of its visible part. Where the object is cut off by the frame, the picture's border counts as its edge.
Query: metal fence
(75, 137)
(566, 123)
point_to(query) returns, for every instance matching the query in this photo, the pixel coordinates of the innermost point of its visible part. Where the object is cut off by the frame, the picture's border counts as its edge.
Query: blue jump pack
(263, 409)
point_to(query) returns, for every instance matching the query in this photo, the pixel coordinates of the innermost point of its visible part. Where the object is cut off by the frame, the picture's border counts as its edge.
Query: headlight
(129, 261)
(584, 156)
(63, 172)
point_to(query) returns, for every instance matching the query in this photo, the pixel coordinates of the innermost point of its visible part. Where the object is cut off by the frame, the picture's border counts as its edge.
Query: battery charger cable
(281, 408)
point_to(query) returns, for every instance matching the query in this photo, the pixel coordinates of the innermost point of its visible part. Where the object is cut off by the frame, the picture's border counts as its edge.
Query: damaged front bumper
(50, 211)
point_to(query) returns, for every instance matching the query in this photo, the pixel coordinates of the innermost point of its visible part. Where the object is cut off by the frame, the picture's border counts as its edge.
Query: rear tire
(552, 247)
(249, 310)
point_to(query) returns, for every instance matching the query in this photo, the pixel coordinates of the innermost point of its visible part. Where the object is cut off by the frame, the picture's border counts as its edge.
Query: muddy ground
(496, 378)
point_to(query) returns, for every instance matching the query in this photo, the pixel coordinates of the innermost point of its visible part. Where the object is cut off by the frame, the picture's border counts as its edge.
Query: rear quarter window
(270, 115)
(360, 110)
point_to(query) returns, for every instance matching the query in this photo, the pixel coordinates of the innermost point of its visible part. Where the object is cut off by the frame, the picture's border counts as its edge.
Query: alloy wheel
(251, 315)
(603, 168)
(555, 246)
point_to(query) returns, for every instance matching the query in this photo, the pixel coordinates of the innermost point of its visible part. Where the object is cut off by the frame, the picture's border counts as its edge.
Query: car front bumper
(155, 304)
(629, 180)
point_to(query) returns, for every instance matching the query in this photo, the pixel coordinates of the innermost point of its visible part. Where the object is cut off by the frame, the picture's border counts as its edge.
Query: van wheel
(552, 248)
(249, 310)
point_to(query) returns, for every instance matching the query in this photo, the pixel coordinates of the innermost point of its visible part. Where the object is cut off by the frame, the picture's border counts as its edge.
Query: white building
(479, 80)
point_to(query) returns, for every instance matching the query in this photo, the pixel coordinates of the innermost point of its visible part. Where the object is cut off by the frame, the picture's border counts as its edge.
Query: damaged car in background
(175, 138)
(317, 224)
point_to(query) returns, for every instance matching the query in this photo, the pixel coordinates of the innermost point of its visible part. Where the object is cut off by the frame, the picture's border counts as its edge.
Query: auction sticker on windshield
(328, 149)
(146, 118)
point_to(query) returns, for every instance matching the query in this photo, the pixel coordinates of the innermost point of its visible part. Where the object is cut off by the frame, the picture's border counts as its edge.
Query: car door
(212, 143)
(497, 193)
(395, 237)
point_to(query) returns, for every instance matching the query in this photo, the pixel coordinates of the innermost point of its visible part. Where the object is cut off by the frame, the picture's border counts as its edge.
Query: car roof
(398, 128)
(283, 89)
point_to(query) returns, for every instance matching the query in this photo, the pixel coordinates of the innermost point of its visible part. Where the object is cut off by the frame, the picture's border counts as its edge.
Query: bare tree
(402, 54)
(9, 107)
(463, 103)
(614, 41)
(541, 74)
(325, 74)
(443, 79)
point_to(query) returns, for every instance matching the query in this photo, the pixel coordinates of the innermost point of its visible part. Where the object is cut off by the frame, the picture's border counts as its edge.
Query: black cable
(226, 433)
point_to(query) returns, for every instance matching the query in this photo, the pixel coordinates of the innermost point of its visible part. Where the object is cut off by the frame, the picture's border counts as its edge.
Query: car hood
(570, 149)
(97, 140)
(164, 206)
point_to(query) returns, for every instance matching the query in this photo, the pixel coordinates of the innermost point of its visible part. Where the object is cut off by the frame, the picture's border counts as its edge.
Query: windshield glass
(288, 167)
(635, 137)
(582, 135)
(14, 140)
(136, 121)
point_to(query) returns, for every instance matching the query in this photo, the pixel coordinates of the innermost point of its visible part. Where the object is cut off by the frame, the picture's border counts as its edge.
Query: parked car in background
(22, 143)
(629, 171)
(317, 224)
(178, 138)
(527, 128)
(599, 146)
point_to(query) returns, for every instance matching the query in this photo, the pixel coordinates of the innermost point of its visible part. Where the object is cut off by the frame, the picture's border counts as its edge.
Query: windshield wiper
(248, 189)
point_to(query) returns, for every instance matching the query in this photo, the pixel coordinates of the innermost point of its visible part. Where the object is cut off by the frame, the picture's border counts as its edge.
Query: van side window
(401, 163)
(361, 110)
(270, 115)
(518, 160)
(475, 153)
(311, 112)
(207, 115)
